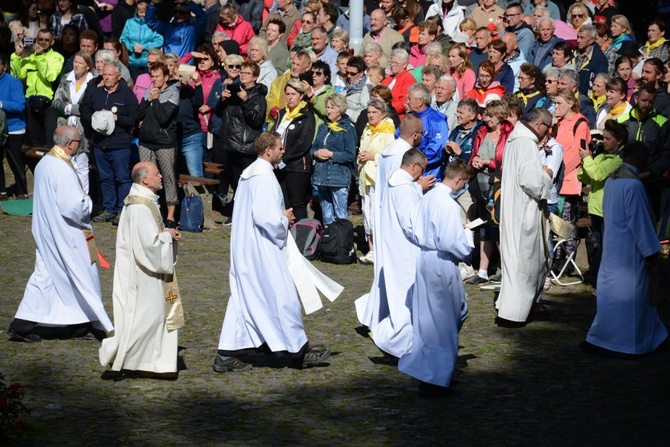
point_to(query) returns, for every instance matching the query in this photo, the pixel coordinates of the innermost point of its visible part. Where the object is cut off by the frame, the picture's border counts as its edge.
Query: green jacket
(318, 104)
(38, 71)
(595, 171)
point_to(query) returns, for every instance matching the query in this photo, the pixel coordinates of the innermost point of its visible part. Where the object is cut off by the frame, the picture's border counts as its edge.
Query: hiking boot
(230, 364)
(496, 278)
(315, 356)
(477, 280)
(104, 217)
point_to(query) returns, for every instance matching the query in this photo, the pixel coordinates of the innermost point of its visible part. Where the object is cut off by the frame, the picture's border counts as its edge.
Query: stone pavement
(529, 386)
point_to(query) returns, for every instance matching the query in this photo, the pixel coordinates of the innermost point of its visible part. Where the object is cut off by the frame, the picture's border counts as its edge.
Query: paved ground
(530, 386)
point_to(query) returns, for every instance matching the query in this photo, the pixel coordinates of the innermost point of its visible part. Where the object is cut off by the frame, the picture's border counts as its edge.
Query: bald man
(147, 306)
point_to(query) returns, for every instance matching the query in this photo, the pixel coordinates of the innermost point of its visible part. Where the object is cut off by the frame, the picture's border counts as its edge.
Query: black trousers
(16, 164)
(37, 127)
(297, 188)
(25, 327)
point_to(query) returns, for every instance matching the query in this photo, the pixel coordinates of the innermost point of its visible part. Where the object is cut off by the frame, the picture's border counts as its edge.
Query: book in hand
(475, 224)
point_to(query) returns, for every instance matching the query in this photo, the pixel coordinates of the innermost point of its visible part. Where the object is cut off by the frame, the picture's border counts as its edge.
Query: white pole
(355, 24)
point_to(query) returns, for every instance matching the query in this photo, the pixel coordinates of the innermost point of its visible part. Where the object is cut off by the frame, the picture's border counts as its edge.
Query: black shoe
(476, 281)
(429, 390)
(28, 338)
(233, 364)
(501, 322)
(104, 217)
(496, 278)
(115, 221)
(315, 356)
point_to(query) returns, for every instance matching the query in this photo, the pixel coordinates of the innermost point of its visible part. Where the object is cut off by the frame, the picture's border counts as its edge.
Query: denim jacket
(336, 171)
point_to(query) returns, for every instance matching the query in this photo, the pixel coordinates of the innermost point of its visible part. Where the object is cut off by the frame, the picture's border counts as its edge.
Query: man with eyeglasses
(180, 34)
(513, 20)
(523, 227)
(357, 93)
(64, 289)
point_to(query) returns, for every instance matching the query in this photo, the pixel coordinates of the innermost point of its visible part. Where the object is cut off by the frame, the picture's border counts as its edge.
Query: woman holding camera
(597, 165)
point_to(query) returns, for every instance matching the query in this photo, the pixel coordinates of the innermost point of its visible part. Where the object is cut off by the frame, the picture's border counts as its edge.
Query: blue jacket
(336, 171)
(506, 78)
(179, 38)
(465, 140)
(137, 31)
(436, 135)
(13, 102)
(125, 102)
(544, 50)
(587, 73)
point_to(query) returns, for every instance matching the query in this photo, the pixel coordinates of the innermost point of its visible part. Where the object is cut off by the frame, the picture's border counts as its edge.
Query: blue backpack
(192, 214)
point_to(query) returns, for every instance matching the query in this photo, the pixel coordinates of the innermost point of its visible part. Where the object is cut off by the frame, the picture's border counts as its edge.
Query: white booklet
(475, 224)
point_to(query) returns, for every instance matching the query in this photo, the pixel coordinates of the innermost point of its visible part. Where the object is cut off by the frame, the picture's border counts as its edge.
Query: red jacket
(404, 80)
(240, 31)
(506, 128)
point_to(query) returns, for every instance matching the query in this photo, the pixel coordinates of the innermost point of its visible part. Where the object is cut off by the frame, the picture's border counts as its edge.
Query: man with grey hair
(523, 227)
(109, 112)
(381, 34)
(446, 99)
(570, 79)
(64, 289)
(513, 56)
(588, 58)
(324, 52)
(435, 127)
(541, 52)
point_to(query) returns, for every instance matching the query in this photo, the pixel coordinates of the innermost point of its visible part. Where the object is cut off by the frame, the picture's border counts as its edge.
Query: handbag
(192, 216)
(38, 104)
(480, 186)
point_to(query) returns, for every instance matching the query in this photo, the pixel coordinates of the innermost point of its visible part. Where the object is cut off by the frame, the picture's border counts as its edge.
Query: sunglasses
(352, 74)
(234, 67)
(578, 16)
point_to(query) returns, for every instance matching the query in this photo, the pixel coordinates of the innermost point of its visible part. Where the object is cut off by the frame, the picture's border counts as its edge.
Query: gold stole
(59, 153)
(174, 311)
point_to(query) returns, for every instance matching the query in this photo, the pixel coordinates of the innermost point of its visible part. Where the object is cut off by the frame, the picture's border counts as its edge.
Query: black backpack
(337, 243)
(307, 234)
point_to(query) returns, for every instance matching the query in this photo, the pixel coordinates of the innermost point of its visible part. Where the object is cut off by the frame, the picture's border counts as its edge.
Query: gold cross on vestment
(171, 297)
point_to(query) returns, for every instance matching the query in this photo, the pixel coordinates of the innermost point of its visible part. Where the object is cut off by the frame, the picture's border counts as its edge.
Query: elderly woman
(339, 40)
(334, 152)
(433, 50)
(572, 132)
(67, 99)
(595, 169)
(487, 155)
(486, 89)
(621, 30)
(599, 89)
(460, 68)
(400, 80)
(296, 126)
(258, 52)
(531, 90)
(578, 16)
(657, 45)
(377, 135)
(372, 55)
(242, 112)
(616, 103)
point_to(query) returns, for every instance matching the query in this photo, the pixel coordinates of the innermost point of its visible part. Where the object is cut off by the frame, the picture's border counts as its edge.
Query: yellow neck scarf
(616, 111)
(525, 98)
(653, 46)
(597, 100)
(384, 126)
(291, 115)
(334, 126)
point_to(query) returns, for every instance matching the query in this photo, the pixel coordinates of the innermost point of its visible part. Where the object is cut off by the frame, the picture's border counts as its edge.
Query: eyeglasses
(578, 16)
(548, 125)
(246, 73)
(317, 73)
(75, 141)
(507, 16)
(234, 67)
(423, 168)
(423, 133)
(307, 22)
(352, 74)
(550, 81)
(524, 78)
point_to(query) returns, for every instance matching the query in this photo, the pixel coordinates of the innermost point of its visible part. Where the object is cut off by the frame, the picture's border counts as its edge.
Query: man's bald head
(64, 136)
(410, 125)
(146, 174)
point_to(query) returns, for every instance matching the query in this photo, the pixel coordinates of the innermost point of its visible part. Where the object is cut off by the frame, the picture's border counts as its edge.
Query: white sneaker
(369, 258)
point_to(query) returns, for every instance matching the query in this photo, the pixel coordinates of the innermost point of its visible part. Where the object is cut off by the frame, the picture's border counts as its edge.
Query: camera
(28, 41)
(596, 145)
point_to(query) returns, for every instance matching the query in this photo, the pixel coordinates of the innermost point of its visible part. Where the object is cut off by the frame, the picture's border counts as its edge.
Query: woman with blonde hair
(469, 27)
(377, 135)
(621, 30)
(578, 16)
(460, 68)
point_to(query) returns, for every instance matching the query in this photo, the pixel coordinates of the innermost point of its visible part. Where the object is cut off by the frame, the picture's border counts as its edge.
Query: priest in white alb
(526, 187)
(371, 307)
(439, 304)
(64, 289)
(263, 312)
(393, 333)
(147, 305)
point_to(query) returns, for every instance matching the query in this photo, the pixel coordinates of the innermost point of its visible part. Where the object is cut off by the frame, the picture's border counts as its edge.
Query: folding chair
(564, 233)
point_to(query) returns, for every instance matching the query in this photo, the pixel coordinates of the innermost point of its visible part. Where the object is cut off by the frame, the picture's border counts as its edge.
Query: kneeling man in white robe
(263, 312)
(393, 333)
(64, 289)
(626, 321)
(439, 304)
(147, 306)
(524, 250)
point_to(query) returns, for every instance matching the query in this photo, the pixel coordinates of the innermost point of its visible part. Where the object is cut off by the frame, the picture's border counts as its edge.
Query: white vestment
(144, 256)
(264, 306)
(368, 306)
(523, 226)
(393, 333)
(64, 289)
(439, 304)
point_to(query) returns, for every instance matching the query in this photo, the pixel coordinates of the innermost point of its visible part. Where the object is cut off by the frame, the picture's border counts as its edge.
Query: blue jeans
(333, 203)
(114, 172)
(192, 149)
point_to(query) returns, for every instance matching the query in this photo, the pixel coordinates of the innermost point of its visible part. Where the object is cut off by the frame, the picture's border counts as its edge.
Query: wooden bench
(37, 152)
(213, 168)
(204, 187)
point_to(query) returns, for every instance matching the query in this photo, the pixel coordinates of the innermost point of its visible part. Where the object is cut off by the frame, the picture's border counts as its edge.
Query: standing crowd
(507, 112)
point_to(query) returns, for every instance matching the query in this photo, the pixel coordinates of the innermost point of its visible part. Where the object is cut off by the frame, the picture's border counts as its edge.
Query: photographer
(598, 162)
